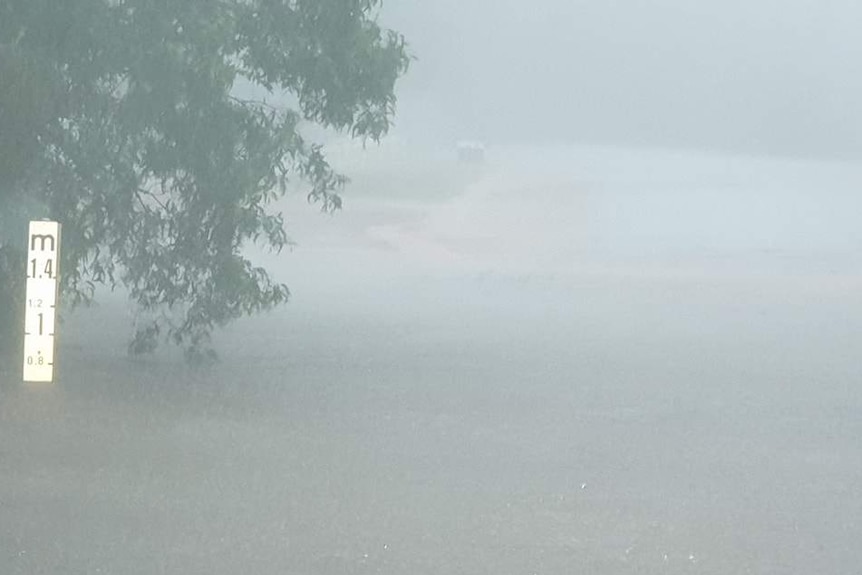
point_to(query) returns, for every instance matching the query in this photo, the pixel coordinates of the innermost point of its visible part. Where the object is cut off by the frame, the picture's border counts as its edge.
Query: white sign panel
(43, 269)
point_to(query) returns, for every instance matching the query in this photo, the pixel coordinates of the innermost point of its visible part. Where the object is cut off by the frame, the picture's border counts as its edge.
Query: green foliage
(11, 316)
(129, 122)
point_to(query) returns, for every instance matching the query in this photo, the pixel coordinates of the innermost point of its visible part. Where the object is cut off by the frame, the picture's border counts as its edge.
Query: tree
(158, 132)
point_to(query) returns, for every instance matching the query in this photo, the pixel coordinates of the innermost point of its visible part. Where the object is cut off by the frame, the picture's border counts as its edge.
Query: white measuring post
(43, 273)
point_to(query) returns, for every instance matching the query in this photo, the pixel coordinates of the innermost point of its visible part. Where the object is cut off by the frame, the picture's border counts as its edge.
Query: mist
(620, 336)
(762, 77)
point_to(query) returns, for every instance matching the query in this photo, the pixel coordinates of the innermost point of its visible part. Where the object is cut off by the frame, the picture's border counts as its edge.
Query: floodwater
(566, 360)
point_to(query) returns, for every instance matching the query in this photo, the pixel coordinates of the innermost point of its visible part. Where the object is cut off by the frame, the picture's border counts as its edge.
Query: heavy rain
(592, 305)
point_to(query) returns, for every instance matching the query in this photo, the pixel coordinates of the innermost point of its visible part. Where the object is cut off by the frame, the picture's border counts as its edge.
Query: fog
(625, 342)
(762, 76)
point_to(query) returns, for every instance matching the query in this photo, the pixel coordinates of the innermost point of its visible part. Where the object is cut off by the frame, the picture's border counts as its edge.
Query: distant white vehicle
(471, 152)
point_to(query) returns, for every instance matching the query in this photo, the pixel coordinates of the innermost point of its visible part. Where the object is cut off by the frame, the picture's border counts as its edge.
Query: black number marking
(48, 270)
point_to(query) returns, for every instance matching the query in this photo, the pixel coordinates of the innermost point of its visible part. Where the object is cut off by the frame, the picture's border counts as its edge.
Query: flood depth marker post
(43, 272)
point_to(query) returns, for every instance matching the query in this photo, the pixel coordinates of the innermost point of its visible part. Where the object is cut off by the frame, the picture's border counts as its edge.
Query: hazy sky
(760, 75)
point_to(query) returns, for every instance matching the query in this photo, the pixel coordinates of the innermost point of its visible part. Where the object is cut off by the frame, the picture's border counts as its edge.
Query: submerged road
(590, 361)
